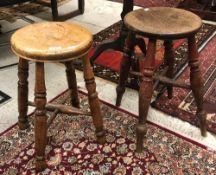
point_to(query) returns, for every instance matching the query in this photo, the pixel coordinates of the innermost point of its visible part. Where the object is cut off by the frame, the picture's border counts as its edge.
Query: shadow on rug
(72, 148)
(182, 105)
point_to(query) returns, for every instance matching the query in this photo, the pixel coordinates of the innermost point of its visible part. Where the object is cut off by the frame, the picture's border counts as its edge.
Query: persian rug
(11, 13)
(154, 3)
(204, 9)
(108, 63)
(182, 105)
(73, 150)
(3, 97)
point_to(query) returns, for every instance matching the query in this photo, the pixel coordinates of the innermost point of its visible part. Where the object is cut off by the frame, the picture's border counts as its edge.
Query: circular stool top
(51, 41)
(163, 22)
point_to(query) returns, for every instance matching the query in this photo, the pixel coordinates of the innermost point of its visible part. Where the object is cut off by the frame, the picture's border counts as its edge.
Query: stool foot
(101, 138)
(125, 67)
(23, 68)
(93, 99)
(75, 103)
(40, 164)
(120, 92)
(23, 125)
(141, 131)
(202, 122)
(81, 5)
(54, 6)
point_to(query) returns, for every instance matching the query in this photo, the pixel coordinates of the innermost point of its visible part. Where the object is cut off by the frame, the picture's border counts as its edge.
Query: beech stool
(53, 42)
(167, 24)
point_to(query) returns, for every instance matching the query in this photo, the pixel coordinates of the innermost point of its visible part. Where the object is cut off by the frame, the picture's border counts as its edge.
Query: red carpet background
(154, 3)
(182, 105)
(186, 4)
(73, 150)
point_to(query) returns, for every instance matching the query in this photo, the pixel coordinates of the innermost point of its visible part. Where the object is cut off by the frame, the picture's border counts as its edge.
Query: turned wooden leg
(93, 99)
(145, 93)
(125, 67)
(40, 118)
(23, 93)
(196, 83)
(169, 61)
(72, 83)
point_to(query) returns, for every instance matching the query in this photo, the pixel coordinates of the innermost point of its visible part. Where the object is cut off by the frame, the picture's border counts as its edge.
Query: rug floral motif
(182, 105)
(73, 150)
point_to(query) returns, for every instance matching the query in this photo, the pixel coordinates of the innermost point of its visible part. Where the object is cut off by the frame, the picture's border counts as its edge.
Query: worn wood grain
(163, 22)
(49, 41)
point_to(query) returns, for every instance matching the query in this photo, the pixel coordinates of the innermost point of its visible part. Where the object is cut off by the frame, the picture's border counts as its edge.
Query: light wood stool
(167, 24)
(53, 42)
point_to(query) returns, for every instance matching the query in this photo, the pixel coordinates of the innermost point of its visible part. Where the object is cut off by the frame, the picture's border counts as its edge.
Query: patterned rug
(72, 148)
(107, 64)
(204, 8)
(11, 13)
(182, 105)
(3, 97)
(167, 3)
(154, 3)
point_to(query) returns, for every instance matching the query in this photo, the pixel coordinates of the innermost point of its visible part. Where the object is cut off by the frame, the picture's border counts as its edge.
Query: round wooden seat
(51, 41)
(163, 22)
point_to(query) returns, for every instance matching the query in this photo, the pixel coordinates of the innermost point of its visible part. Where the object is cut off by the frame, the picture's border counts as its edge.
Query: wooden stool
(55, 14)
(56, 42)
(167, 24)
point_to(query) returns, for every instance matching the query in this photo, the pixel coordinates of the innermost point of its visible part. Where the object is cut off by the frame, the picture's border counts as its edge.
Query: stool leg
(72, 83)
(40, 117)
(125, 67)
(23, 68)
(169, 61)
(81, 6)
(196, 83)
(93, 99)
(54, 6)
(145, 93)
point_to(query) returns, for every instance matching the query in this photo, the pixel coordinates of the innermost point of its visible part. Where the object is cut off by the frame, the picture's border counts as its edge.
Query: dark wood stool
(56, 42)
(206, 9)
(53, 4)
(167, 24)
